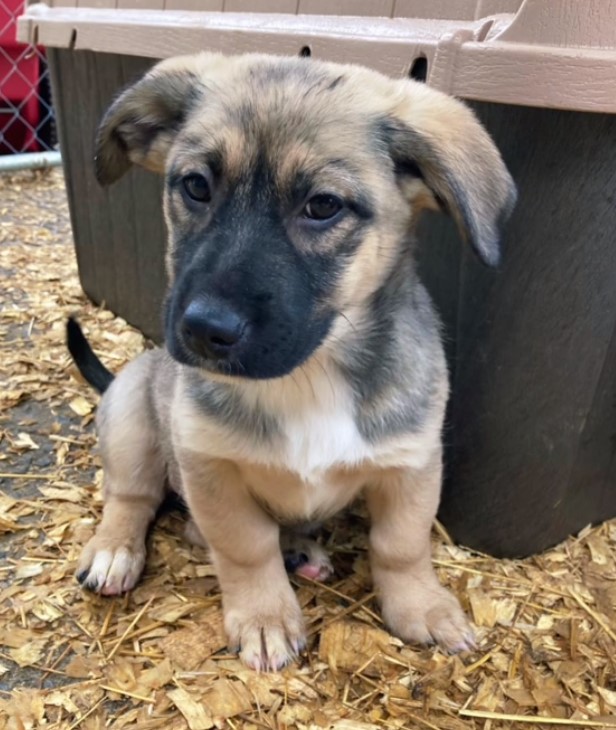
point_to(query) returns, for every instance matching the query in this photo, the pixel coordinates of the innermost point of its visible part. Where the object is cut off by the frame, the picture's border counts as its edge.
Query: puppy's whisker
(310, 383)
(351, 325)
(328, 377)
(294, 379)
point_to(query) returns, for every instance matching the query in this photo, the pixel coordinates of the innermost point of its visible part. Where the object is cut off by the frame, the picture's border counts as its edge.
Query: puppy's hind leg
(304, 556)
(133, 484)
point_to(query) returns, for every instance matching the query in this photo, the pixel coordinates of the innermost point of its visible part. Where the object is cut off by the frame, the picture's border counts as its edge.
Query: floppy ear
(141, 123)
(438, 139)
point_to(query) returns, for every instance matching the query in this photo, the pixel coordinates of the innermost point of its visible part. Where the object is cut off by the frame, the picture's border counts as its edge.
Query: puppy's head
(292, 188)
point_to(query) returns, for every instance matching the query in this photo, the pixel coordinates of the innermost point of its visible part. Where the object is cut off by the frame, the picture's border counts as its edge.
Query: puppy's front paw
(429, 614)
(110, 567)
(268, 632)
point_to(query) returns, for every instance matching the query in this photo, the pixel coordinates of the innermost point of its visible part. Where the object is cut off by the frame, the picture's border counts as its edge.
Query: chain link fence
(26, 111)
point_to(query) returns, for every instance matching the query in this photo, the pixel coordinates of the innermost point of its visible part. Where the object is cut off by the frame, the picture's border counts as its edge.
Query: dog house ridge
(560, 54)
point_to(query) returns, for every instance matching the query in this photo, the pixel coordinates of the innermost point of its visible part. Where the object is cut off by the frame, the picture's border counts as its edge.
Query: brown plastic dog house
(531, 432)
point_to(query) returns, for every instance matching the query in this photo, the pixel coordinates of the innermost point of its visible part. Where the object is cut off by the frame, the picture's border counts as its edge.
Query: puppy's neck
(315, 385)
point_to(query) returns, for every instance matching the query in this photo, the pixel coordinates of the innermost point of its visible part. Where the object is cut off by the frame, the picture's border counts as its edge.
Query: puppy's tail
(89, 365)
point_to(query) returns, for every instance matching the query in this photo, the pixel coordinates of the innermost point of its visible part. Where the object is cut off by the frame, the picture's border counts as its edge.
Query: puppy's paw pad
(307, 558)
(109, 571)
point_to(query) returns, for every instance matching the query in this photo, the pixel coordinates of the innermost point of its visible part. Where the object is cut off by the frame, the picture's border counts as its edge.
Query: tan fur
(133, 484)
(239, 489)
(415, 606)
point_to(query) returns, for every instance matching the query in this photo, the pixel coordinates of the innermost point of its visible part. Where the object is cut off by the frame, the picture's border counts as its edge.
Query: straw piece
(535, 719)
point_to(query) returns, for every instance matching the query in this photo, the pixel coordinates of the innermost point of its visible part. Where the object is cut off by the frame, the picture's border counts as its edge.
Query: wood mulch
(156, 658)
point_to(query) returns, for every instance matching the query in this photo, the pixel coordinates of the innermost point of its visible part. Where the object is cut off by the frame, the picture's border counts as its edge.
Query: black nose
(211, 328)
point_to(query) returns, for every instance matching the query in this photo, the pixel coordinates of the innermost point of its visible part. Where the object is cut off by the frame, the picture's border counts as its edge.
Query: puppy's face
(268, 205)
(291, 191)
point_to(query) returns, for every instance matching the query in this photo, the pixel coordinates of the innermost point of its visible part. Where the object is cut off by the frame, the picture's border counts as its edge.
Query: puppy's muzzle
(212, 329)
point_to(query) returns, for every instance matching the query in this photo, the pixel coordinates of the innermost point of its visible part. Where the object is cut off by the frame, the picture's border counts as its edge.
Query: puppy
(303, 361)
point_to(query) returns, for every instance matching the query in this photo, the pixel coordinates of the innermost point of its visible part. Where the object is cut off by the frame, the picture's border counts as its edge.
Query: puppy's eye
(322, 207)
(197, 188)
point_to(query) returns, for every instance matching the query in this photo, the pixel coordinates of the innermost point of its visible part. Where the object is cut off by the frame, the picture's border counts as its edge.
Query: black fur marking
(87, 362)
(408, 167)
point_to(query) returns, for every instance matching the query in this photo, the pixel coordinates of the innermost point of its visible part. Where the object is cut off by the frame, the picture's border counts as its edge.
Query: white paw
(110, 569)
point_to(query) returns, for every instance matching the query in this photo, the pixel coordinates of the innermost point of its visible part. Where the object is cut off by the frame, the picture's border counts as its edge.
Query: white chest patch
(314, 413)
(316, 437)
(322, 435)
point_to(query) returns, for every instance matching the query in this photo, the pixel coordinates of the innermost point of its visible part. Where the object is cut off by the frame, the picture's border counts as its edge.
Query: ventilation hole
(305, 52)
(419, 69)
(484, 30)
(73, 40)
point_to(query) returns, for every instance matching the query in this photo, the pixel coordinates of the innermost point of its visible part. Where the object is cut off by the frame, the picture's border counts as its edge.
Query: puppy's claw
(298, 646)
(466, 643)
(109, 570)
(81, 576)
(276, 663)
(429, 615)
(266, 663)
(471, 641)
(271, 638)
(273, 654)
(462, 646)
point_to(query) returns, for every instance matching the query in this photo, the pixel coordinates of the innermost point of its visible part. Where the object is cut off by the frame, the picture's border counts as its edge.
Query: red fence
(26, 114)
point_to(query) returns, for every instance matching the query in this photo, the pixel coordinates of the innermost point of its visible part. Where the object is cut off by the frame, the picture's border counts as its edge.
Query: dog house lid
(559, 54)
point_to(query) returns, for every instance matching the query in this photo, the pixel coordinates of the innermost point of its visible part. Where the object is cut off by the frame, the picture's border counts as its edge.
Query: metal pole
(29, 161)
